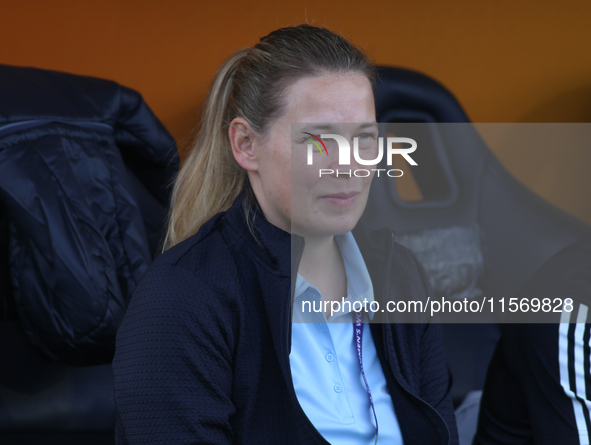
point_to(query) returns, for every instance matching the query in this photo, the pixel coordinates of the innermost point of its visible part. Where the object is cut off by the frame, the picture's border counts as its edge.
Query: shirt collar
(359, 286)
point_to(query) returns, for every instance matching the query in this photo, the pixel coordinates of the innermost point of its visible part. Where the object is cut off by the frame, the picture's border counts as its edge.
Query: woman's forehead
(331, 98)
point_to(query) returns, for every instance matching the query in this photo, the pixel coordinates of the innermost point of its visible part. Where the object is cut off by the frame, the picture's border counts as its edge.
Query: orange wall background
(506, 61)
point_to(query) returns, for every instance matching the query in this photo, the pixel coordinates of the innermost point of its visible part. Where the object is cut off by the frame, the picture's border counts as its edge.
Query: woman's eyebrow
(371, 125)
(331, 127)
(319, 127)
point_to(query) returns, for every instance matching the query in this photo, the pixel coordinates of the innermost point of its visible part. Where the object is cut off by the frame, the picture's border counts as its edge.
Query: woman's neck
(322, 266)
(318, 253)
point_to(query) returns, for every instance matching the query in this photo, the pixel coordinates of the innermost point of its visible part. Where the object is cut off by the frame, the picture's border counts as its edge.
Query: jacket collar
(274, 245)
(270, 243)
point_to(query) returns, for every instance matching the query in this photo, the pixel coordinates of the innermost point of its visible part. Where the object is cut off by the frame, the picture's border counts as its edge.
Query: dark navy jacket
(85, 173)
(203, 352)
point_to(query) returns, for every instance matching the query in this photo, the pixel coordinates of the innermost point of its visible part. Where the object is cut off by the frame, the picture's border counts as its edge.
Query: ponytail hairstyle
(250, 84)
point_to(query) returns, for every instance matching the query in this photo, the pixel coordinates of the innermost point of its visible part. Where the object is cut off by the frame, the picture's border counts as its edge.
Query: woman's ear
(242, 139)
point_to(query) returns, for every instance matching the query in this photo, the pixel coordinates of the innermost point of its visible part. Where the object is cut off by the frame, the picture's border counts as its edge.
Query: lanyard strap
(358, 334)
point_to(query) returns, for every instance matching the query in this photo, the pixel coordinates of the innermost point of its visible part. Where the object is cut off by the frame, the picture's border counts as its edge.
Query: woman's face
(292, 194)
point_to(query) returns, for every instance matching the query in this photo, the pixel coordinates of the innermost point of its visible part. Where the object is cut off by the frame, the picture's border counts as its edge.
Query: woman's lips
(341, 199)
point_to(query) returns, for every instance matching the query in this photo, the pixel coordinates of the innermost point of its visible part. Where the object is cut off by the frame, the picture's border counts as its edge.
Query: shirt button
(329, 357)
(338, 388)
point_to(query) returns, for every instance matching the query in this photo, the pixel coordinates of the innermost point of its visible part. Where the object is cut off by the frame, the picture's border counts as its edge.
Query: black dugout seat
(85, 171)
(476, 229)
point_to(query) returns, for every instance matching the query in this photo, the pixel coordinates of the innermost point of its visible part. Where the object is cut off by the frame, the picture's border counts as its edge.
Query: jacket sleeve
(535, 386)
(173, 362)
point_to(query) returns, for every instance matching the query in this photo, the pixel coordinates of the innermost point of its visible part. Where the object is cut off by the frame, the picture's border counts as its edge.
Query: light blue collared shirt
(325, 368)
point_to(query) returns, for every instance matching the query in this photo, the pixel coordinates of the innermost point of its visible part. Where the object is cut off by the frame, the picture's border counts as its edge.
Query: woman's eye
(311, 138)
(366, 141)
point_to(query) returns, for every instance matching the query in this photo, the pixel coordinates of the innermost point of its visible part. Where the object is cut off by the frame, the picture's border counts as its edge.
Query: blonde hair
(250, 84)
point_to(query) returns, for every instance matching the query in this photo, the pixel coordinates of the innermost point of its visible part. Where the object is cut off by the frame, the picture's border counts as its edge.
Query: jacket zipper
(429, 407)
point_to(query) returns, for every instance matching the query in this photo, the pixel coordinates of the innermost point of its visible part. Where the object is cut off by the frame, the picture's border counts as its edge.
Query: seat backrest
(477, 230)
(464, 185)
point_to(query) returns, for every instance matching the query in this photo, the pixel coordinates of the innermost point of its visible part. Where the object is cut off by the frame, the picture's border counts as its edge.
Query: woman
(207, 352)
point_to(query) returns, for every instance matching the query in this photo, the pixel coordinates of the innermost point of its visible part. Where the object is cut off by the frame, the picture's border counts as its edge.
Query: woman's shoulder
(201, 265)
(186, 302)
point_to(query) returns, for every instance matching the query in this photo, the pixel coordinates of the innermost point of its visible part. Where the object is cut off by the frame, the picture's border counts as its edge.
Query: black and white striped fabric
(573, 358)
(538, 385)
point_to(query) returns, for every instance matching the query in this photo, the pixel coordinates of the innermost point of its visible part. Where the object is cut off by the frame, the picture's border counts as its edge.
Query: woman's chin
(327, 227)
